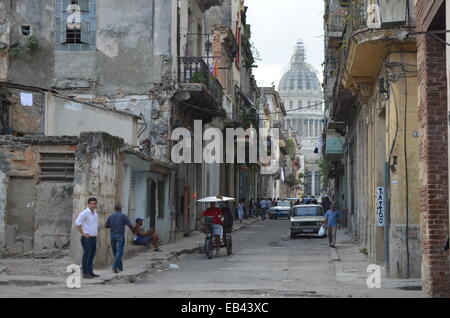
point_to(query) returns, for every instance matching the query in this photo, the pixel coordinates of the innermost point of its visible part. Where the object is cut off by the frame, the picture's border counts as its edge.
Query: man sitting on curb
(145, 238)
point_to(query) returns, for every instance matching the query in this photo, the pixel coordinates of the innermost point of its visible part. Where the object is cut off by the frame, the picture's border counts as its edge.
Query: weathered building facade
(433, 60)
(372, 132)
(120, 78)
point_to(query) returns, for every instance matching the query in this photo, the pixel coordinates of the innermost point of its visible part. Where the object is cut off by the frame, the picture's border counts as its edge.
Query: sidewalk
(39, 272)
(351, 270)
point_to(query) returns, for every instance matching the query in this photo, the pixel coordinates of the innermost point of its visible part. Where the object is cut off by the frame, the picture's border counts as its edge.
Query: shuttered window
(75, 25)
(57, 166)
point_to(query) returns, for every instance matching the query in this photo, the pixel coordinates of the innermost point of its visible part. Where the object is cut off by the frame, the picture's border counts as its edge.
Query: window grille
(57, 166)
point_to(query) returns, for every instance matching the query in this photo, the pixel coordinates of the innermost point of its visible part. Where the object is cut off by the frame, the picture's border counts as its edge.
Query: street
(265, 263)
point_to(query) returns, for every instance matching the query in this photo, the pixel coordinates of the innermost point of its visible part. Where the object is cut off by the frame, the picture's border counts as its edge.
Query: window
(161, 200)
(57, 166)
(300, 82)
(26, 30)
(300, 105)
(291, 104)
(75, 25)
(73, 36)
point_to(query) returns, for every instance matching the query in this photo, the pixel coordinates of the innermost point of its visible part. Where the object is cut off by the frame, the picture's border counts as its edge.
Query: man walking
(264, 208)
(332, 220)
(116, 224)
(87, 225)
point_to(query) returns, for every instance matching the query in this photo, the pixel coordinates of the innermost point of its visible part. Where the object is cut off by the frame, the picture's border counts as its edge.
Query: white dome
(301, 77)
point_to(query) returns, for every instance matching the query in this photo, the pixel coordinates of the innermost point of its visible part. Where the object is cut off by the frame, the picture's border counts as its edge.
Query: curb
(28, 280)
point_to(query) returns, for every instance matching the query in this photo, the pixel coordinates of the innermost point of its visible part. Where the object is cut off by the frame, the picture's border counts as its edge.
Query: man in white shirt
(87, 225)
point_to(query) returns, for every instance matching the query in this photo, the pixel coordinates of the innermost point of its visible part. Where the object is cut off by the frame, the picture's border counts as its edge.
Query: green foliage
(291, 149)
(198, 77)
(19, 49)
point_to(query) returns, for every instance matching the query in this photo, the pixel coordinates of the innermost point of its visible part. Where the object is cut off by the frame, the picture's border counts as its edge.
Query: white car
(281, 210)
(306, 219)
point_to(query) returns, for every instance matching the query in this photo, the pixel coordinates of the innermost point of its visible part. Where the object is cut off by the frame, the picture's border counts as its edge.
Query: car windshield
(308, 211)
(288, 204)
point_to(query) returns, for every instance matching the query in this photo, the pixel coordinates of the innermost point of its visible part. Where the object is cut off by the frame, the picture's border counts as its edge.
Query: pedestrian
(298, 202)
(116, 223)
(145, 238)
(264, 208)
(87, 225)
(240, 210)
(251, 209)
(228, 219)
(333, 219)
(326, 203)
(258, 207)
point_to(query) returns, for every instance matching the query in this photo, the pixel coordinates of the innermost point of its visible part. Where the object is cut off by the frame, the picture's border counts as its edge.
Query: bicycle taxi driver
(217, 221)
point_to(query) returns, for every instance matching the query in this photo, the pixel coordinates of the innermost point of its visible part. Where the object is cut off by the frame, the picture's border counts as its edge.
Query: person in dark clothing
(116, 224)
(228, 219)
(326, 203)
(145, 238)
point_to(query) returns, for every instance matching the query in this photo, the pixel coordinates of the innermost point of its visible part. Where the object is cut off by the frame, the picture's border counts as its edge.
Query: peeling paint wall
(24, 118)
(98, 173)
(4, 37)
(35, 215)
(3, 186)
(69, 118)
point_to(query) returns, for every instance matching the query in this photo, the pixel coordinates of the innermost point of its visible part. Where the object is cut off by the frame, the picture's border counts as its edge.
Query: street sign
(379, 214)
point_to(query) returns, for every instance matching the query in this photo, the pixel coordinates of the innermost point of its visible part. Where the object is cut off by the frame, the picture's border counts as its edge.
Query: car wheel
(292, 235)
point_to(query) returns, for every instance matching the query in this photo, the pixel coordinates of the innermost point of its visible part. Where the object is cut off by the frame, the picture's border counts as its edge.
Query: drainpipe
(387, 216)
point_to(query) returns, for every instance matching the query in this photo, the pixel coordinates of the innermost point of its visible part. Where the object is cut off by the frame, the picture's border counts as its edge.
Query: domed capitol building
(302, 95)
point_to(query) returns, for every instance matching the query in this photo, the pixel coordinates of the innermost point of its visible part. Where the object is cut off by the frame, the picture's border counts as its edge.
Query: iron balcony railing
(194, 70)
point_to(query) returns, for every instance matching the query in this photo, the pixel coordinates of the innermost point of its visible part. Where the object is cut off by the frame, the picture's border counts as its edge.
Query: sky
(276, 26)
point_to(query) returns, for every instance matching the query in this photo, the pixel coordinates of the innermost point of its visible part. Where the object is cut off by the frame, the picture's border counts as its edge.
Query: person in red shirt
(217, 221)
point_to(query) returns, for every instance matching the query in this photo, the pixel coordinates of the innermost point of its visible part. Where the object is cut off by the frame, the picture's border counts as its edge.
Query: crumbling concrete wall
(24, 119)
(98, 173)
(37, 221)
(4, 38)
(3, 187)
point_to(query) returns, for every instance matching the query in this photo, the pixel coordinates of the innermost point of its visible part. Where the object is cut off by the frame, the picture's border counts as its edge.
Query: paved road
(265, 263)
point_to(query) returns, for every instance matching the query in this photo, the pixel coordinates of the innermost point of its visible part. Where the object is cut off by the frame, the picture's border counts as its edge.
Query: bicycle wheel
(208, 247)
(229, 245)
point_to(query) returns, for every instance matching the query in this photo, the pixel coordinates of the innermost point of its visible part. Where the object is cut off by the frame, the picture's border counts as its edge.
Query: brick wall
(433, 157)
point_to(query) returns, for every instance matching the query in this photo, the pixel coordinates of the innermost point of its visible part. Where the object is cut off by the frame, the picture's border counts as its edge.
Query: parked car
(281, 210)
(306, 219)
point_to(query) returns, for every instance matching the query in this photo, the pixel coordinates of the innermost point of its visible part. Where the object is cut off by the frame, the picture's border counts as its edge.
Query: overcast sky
(276, 27)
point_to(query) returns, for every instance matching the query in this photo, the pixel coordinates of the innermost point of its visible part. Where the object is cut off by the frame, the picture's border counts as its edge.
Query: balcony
(335, 17)
(195, 79)
(371, 30)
